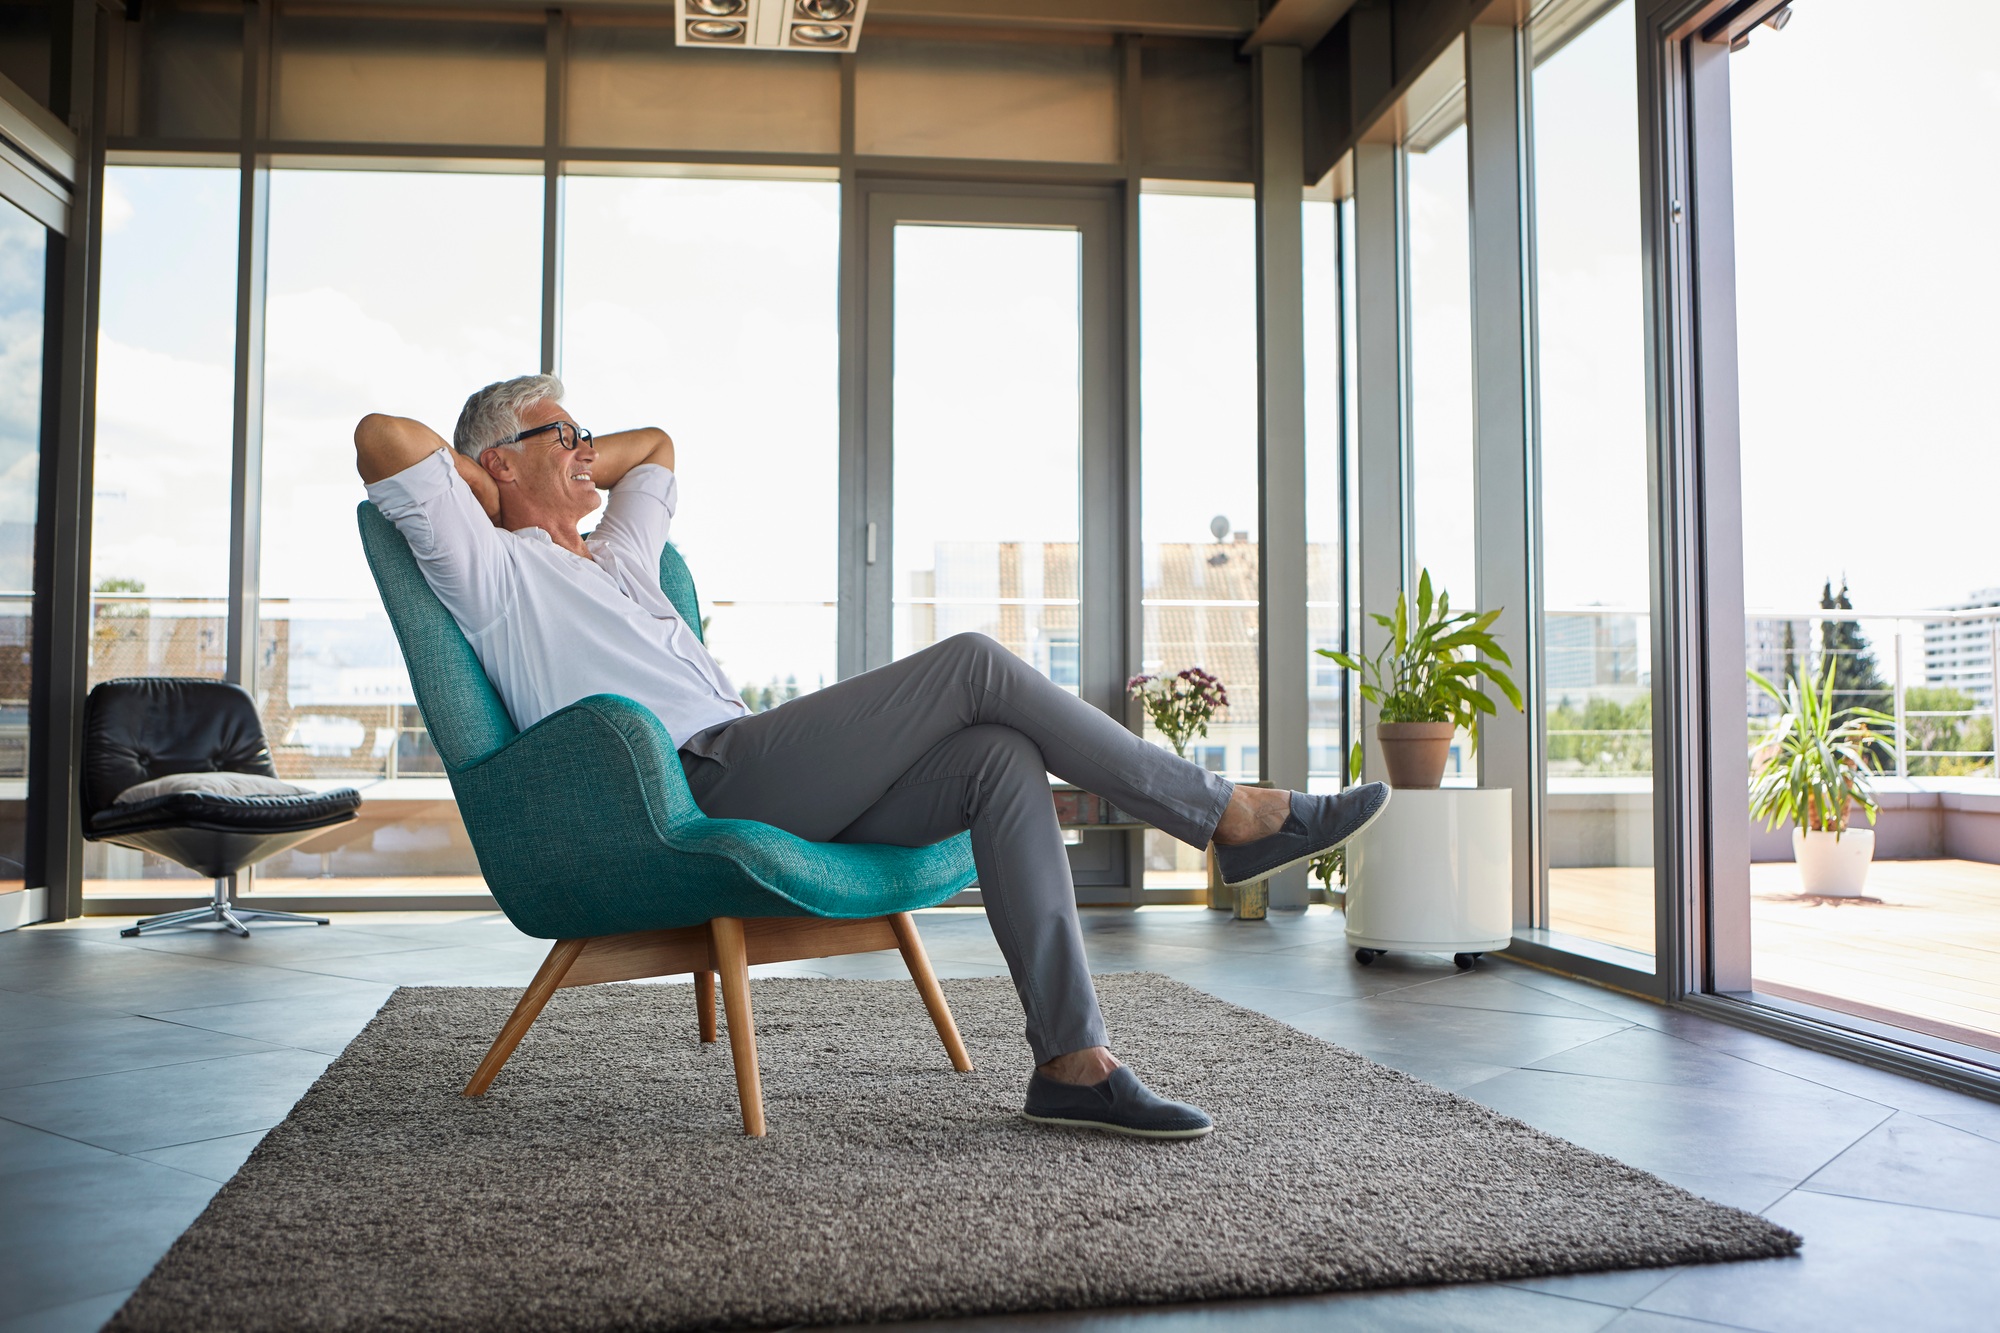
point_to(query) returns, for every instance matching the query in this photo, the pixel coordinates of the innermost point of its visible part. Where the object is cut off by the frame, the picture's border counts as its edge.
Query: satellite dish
(1219, 525)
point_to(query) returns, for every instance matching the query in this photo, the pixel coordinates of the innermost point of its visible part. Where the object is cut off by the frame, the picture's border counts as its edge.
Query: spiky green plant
(1812, 766)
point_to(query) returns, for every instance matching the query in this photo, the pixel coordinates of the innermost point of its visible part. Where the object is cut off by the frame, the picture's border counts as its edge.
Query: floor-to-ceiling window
(708, 308)
(159, 555)
(397, 292)
(1589, 282)
(23, 291)
(988, 439)
(1329, 346)
(1198, 472)
(1438, 370)
(1867, 349)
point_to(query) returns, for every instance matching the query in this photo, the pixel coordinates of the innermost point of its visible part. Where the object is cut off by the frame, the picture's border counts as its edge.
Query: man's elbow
(659, 447)
(384, 445)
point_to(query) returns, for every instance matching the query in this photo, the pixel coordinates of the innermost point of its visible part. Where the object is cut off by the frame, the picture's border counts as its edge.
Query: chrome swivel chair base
(221, 911)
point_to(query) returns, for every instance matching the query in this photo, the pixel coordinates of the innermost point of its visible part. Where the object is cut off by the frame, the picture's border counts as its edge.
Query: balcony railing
(338, 703)
(1602, 653)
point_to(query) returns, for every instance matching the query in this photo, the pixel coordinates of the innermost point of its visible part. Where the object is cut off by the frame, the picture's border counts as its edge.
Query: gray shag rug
(604, 1182)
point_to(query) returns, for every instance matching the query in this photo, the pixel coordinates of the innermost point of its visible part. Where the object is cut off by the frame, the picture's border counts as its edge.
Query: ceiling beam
(1180, 18)
(1299, 23)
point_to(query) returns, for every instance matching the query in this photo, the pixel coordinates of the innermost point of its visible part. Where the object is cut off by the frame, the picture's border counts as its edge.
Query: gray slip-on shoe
(1316, 824)
(1121, 1104)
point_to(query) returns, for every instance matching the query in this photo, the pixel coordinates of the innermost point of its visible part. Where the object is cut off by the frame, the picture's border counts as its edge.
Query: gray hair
(494, 413)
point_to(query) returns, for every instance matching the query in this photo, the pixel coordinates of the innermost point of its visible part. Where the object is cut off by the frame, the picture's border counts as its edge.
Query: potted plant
(1425, 683)
(1812, 768)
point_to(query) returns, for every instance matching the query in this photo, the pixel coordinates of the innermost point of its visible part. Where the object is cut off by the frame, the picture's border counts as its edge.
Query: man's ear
(499, 464)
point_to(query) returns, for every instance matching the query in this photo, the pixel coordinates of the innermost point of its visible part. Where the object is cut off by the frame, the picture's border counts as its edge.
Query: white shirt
(549, 626)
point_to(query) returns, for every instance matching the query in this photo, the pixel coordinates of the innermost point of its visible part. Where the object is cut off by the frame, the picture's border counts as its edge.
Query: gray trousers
(961, 736)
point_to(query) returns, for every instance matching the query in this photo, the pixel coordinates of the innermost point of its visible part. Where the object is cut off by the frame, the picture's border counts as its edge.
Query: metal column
(1281, 457)
(62, 538)
(555, 49)
(246, 465)
(1380, 513)
(1504, 513)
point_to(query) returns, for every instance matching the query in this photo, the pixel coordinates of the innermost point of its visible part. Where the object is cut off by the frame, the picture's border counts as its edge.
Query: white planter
(1833, 867)
(1435, 873)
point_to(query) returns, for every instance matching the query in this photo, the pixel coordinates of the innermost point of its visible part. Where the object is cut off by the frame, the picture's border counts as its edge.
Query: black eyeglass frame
(568, 434)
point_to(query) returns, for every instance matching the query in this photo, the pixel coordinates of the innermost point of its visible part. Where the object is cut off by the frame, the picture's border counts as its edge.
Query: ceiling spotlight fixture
(826, 26)
(1777, 21)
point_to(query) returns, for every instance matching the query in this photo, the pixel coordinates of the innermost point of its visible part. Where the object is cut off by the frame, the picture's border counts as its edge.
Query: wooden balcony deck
(1921, 951)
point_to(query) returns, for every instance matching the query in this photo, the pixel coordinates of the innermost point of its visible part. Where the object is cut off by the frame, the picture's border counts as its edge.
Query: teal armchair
(655, 887)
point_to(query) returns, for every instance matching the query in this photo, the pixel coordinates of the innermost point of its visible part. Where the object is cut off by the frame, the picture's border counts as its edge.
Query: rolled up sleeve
(640, 511)
(462, 554)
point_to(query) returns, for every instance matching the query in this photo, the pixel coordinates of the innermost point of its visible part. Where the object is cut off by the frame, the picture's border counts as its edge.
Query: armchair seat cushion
(211, 811)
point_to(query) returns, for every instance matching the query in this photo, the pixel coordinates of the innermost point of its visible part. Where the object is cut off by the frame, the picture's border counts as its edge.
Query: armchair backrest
(145, 727)
(463, 712)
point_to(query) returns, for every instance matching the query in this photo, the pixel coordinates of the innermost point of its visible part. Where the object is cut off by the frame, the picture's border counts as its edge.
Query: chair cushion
(227, 814)
(214, 784)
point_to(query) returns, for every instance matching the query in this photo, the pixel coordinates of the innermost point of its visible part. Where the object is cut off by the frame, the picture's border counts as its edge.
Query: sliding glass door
(989, 493)
(990, 433)
(1868, 467)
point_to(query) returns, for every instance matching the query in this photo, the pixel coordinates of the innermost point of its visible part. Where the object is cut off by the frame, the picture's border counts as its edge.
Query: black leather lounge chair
(147, 727)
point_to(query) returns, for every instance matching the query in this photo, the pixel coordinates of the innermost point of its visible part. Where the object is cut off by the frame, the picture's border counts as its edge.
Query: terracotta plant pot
(1831, 867)
(1415, 752)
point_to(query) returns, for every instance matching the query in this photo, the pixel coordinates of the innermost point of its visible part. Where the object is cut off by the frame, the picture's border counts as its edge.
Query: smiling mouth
(579, 476)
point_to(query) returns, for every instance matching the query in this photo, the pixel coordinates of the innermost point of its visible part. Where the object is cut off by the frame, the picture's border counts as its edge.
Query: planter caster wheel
(1464, 961)
(1367, 956)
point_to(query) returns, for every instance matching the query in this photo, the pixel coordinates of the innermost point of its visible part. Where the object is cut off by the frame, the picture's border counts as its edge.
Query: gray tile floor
(136, 1075)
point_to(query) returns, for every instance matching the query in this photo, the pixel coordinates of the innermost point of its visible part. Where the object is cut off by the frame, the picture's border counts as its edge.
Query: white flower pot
(1833, 866)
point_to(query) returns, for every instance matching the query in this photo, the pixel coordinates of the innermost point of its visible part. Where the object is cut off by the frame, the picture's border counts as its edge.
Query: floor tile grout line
(1807, 1187)
(68, 1138)
(1602, 1016)
(70, 1300)
(274, 1045)
(176, 1064)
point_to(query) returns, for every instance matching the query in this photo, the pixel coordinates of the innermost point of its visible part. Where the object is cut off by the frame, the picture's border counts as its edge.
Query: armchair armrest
(585, 826)
(608, 750)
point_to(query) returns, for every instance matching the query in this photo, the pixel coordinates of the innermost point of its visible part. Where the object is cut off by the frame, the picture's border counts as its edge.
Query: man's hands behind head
(385, 445)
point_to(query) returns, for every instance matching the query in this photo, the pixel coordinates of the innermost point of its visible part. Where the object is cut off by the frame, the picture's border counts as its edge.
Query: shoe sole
(1110, 1128)
(1301, 860)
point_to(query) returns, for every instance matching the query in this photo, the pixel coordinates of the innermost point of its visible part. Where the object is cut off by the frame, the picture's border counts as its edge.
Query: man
(959, 736)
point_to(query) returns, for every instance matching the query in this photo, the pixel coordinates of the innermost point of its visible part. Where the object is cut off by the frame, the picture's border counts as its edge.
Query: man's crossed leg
(961, 736)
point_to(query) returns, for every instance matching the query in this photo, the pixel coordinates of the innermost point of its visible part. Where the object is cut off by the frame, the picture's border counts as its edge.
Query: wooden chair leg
(547, 979)
(704, 1002)
(919, 964)
(732, 959)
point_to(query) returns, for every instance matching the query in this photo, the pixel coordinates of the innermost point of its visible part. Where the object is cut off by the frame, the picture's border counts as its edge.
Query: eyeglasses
(568, 434)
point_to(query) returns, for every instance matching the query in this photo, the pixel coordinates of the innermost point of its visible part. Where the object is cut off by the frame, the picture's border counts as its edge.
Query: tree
(1951, 736)
(1857, 681)
(1602, 737)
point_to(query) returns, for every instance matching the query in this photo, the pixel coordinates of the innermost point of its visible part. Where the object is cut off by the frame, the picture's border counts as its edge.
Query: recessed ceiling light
(805, 27)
